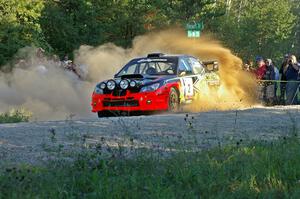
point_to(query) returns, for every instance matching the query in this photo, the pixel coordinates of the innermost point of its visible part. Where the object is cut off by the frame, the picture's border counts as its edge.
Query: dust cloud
(42, 86)
(238, 87)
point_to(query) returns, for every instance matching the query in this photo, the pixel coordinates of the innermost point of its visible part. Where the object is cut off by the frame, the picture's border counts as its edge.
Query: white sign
(188, 87)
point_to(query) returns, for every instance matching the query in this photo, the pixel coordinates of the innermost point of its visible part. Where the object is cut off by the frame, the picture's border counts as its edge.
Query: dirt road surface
(38, 141)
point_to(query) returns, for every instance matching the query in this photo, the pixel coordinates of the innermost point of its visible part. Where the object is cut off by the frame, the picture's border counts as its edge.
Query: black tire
(173, 100)
(102, 114)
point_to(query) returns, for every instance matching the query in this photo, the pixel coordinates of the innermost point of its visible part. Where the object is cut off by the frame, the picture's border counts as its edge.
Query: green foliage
(249, 27)
(260, 170)
(189, 10)
(68, 24)
(15, 116)
(19, 26)
(62, 26)
(296, 31)
(258, 27)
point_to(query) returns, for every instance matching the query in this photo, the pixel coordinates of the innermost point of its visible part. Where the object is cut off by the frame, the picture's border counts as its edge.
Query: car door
(198, 74)
(187, 78)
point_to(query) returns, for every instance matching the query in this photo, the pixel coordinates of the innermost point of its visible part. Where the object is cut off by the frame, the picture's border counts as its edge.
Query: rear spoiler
(211, 66)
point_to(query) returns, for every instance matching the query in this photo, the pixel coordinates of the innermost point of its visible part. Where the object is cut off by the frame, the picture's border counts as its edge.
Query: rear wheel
(173, 100)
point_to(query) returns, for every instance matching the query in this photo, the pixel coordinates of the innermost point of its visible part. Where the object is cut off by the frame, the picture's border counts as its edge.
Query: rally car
(157, 82)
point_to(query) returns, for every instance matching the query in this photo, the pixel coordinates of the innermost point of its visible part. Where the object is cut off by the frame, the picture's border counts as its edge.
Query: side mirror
(182, 73)
(115, 75)
(211, 66)
(216, 66)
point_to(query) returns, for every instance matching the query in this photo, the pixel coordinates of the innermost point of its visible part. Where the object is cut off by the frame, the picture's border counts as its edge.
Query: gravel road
(36, 142)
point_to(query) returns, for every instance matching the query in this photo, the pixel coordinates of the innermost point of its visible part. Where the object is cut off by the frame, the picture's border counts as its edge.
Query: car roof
(164, 56)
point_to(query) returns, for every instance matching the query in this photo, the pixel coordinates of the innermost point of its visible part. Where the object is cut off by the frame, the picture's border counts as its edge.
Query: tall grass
(15, 115)
(258, 170)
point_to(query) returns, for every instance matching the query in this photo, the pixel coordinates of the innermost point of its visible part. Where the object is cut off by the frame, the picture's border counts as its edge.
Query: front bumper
(147, 101)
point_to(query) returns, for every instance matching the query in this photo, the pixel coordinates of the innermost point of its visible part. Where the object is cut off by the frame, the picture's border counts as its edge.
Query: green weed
(258, 170)
(15, 115)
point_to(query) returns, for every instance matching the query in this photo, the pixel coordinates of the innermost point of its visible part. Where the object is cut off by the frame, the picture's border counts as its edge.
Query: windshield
(159, 66)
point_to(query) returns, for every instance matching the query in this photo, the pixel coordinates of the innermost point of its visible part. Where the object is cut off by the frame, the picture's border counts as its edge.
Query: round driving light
(124, 84)
(132, 84)
(102, 86)
(111, 85)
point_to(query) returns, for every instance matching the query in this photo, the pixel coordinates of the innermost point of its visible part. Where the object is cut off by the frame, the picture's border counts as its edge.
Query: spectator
(277, 78)
(269, 96)
(282, 72)
(40, 55)
(292, 75)
(261, 70)
(270, 70)
(65, 61)
(248, 66)
(277, 75)
(40, 52)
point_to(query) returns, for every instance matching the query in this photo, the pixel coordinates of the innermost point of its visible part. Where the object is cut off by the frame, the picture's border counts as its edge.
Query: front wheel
(173, 100)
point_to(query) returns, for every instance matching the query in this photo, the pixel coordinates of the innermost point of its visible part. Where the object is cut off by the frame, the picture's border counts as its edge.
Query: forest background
(268, 28)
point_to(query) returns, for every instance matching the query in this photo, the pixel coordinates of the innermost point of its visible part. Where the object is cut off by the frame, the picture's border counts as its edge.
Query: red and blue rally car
(157, 82)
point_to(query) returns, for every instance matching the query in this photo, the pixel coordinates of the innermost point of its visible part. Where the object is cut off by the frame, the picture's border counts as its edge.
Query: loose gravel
(37, 142)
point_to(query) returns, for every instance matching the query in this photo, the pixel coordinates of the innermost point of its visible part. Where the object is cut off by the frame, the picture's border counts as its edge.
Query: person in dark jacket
(292, 76)
(270, 70)
(282, 73)
(269, 86)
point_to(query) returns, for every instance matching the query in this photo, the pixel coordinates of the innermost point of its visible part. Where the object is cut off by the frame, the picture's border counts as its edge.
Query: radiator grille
(121, 103)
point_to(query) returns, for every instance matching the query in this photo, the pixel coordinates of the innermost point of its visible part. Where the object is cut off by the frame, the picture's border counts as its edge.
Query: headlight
(98, 90)
(152, 87)
(102, 86)
(132, 83)
(124, 84)
(111, 85)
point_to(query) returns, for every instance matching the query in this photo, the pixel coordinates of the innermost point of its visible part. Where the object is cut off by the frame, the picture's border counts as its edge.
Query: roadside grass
(15, 116)
(256, 170)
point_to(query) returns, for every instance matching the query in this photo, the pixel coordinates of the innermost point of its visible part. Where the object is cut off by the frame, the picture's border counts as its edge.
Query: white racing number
(188, 87)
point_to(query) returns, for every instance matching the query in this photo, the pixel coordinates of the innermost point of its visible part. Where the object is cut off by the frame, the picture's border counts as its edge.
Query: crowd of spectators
(277, 85)
(40, 60)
